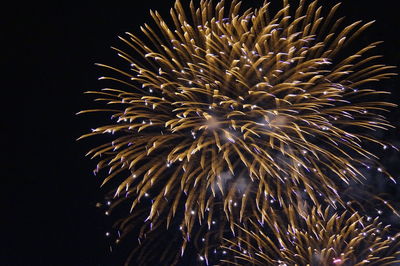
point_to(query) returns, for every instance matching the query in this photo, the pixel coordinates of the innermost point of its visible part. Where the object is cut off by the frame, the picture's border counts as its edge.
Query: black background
(48, 192)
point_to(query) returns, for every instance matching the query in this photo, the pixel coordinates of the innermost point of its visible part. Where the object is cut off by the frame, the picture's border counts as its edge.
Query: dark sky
(49, 193)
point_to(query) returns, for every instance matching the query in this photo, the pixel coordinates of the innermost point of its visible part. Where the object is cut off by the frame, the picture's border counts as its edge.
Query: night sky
(48, 192)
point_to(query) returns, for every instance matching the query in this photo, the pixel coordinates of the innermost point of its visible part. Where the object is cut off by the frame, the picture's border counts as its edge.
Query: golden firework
(222, 101)
(320, 238)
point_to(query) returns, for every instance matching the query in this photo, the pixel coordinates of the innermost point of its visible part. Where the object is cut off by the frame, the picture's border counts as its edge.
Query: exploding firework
(321, 238)
(222, 101)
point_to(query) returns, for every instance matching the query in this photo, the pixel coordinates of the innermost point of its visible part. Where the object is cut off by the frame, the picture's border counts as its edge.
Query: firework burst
(320, 238)
(222, 101)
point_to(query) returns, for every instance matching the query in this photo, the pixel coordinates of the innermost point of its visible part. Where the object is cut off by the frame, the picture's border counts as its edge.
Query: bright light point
(192, 212)
(380, 212)
(107, 213)
(337, 261)
(108, 203)
(146, 194)
(213, 222)
(151, 90)
(224, 252)
(380, 169)
(201, 258)
(107, 234)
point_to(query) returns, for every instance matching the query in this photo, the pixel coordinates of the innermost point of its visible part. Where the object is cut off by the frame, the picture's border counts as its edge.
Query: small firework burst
(223, 102)
(320, 238)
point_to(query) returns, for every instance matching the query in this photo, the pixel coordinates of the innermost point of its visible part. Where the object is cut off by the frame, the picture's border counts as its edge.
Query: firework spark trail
(320, 238)
(263, 98)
